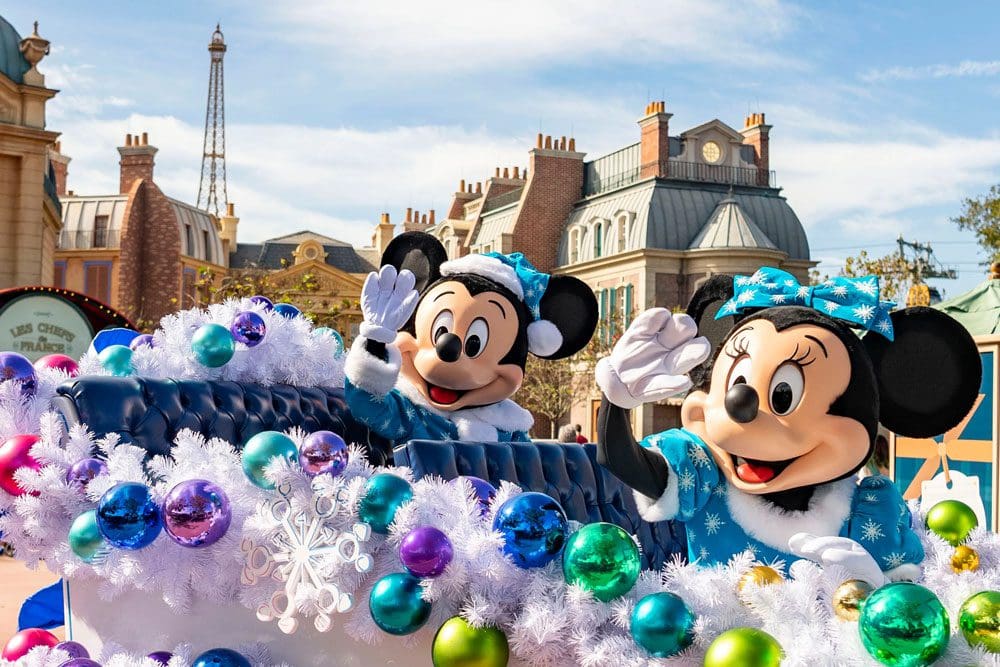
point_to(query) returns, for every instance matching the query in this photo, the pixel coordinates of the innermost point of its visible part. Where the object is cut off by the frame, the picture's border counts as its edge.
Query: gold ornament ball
(965, 559)
(979, 620)
(743, 647)
(761, 575)
(848, 597)
(952, 521)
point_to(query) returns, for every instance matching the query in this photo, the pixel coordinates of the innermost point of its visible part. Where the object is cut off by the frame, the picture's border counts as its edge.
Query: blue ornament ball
(128, 516)
(332, 333)
(85, 538)
(287, 310)
(117, 360)
(662, 624)
(384, 494)
(262, 301)
(213, 345)
(534, 529)
(396, 604)
(17, 367)
(259, 451)
(220, 657)
(248, 328)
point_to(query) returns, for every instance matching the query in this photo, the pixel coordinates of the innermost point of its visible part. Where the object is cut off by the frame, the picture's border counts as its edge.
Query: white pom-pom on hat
(544, 338)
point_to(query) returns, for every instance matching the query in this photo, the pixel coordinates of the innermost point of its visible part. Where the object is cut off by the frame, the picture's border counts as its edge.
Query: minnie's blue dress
(722, 521)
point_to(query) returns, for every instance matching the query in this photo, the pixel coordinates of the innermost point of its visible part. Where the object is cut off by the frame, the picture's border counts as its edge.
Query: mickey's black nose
(449, 347)
(742, 403)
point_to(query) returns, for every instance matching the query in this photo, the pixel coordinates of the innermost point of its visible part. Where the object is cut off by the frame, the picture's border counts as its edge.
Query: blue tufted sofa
(149, 413)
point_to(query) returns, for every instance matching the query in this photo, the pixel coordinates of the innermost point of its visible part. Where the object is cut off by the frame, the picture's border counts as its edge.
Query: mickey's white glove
(840, 551)
(387, 301)
(652, 359)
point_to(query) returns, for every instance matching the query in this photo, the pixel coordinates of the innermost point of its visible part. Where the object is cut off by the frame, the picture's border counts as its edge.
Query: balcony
(71, 239)
(684, 171)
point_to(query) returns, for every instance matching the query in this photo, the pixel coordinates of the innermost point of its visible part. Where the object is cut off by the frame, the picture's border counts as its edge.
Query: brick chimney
(60, 165)
(137, 160)
(384, 232)
(755, 133)
(654, 149)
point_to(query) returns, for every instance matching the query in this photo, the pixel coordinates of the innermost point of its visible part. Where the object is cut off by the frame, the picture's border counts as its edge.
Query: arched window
(598, 239)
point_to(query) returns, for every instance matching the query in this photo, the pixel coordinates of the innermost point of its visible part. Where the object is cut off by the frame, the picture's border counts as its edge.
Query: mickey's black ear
(928, 376)
(570, 305)
(419, 252)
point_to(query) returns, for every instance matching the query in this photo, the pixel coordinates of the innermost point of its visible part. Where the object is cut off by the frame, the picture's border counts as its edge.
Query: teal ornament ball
(396, 604)
(85, 537)
(259, 451)
(338, 340)
(662, 624)
(213, 345)
(383, 495)
(602, 558)
(116, 359)
(904, 625)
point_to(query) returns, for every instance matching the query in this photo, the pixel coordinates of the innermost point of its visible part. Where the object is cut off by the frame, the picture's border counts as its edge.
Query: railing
(686, 171)
(85, 240)
(502, 200)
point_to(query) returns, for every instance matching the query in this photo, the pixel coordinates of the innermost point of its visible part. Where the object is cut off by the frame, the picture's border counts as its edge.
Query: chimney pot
(461, 185)
(432, 217)
(128, 139)
(423, 220)
(548, 142)
(409, 211)
(145, 139)
(506, 174)
(539, 140)
(70, 193)
(230, 209)
(517, 172)
(496, 172)
(572, 144)
(562, 144)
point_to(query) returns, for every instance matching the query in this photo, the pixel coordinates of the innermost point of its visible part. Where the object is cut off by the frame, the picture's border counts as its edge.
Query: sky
(884, 116)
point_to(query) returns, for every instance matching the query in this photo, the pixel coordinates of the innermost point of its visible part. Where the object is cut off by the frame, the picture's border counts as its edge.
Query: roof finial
(36, 29)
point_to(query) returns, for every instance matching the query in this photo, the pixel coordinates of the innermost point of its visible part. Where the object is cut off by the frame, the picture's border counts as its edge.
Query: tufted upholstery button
(569, 473)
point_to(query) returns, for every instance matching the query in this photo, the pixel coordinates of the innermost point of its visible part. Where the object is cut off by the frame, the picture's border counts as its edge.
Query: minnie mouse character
(783, 416)
(444, 343)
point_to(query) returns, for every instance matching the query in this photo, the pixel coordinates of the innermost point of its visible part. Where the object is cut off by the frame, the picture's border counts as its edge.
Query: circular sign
(39, 324)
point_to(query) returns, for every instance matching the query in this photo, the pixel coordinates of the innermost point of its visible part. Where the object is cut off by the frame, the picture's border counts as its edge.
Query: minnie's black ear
(928, 376)
(419, 252)
(570, 305)
(704, 304)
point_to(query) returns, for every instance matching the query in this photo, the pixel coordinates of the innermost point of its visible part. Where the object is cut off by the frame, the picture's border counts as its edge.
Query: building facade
(29, 206)
(644, 225)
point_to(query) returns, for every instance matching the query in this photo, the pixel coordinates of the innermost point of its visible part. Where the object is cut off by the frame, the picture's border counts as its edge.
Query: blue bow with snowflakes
(852, 300)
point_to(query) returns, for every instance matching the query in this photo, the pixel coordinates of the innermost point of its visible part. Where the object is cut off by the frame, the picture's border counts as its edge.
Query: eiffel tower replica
(212, 188)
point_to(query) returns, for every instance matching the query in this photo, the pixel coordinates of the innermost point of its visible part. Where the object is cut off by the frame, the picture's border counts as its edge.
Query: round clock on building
(711, 152)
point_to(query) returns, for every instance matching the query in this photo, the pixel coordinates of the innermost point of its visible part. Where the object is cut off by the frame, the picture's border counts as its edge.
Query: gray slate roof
(731, 227)
(268, 255)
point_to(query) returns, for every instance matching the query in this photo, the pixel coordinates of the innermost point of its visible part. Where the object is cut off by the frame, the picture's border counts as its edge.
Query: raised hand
(387, 302)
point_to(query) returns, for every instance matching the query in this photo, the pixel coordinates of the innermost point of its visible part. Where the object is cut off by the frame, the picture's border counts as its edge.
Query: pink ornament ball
(62, 362)
(15, 454)
(18, 646)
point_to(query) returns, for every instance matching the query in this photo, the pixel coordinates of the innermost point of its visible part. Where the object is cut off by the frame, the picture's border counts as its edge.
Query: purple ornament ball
(196, 513)
(248, 328)
(14, 366)
(75, 649)
(85, 470)
(425, 551)
(323, 452)
(80, 662)
(483, 490)
(262, 301)
(162, 657)
(142, 340)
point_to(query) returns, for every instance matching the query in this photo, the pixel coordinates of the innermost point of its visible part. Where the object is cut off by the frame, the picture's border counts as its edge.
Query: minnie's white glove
(841, 551)
(387, 301)
(652, 359)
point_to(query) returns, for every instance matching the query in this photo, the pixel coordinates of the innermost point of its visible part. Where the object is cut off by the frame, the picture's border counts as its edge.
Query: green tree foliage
(895, 273)
(982, 216)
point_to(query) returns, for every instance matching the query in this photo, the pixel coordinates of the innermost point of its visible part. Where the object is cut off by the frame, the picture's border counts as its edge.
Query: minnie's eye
(786, 390)
(443, 324)
(476, 338)
(739, 373)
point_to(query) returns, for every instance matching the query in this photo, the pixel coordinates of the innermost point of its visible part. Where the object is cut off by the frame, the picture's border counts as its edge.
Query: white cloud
(939, 71)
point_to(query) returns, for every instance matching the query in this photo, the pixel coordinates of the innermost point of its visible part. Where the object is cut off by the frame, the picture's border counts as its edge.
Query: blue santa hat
(527, 283)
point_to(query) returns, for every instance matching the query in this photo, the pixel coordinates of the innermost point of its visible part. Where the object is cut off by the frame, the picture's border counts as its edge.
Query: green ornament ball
(397, 605)
(952, 521)
(904, 625)
(979, 620)
(384, 493)
(259, 451)
(85, 537)
(743, 647)
(662, 624)
(458, 644)
(116, 359)
(602, 558)
(213, 345)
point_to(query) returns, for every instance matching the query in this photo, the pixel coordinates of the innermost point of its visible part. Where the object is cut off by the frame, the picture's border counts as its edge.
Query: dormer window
(711, 152)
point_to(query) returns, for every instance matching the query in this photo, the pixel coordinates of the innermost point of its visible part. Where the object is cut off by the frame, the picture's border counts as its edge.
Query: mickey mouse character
(444, 343)
(783, 416)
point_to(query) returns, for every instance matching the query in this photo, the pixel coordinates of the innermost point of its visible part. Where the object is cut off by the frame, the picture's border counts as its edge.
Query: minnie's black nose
(449, 347)
(742, 403)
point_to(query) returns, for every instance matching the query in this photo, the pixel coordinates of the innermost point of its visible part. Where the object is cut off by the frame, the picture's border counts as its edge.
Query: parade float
(209, 499)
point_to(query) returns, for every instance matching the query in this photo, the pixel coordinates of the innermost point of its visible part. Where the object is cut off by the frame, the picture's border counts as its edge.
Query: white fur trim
(666, 506)
(487, 267)
(476, 424)
(905, 572)
(828, 510)
(544, 338)
(369, 373)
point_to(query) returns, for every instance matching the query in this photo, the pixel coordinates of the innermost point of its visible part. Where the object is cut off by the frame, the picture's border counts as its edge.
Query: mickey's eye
(476, 338)
(739, 373)
(786, 388)
(443, 324)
